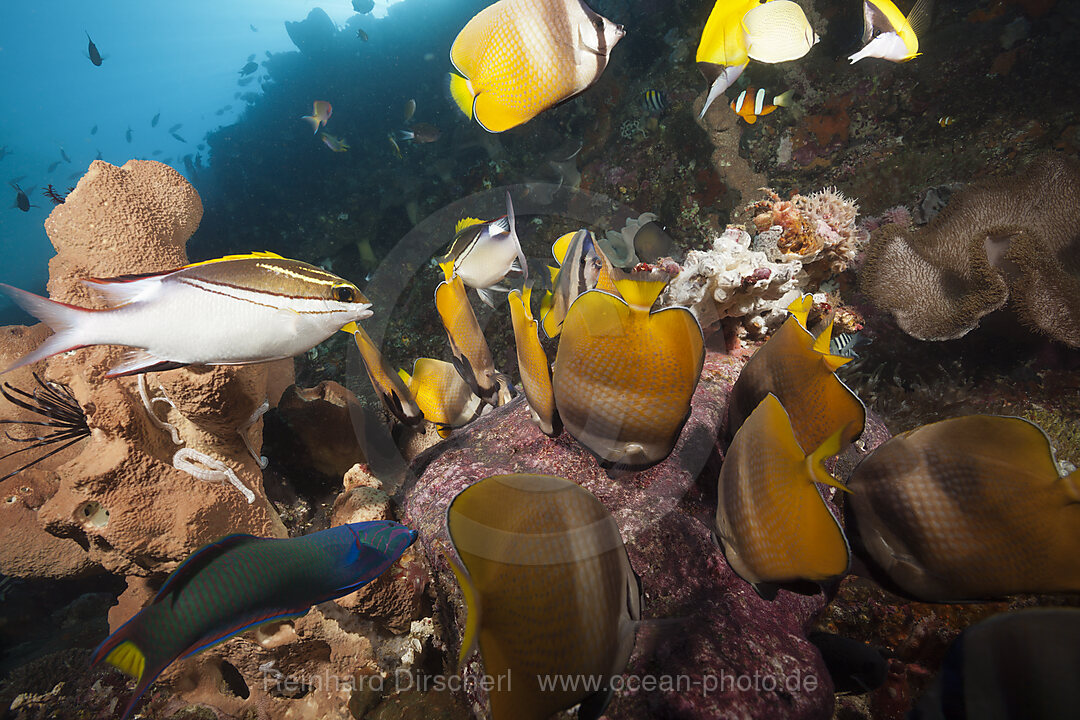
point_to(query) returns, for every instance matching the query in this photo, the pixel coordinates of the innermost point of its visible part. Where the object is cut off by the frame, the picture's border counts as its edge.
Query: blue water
(180, 59)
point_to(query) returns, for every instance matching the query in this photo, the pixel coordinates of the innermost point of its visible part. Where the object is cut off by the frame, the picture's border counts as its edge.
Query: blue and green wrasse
(242, 581)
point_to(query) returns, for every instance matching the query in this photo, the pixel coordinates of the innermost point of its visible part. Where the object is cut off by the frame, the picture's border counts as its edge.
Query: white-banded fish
(234, 310)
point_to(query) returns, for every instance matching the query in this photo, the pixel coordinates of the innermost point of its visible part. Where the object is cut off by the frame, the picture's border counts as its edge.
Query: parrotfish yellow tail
(472, 357)
(387, 384)
(721, 54)
(800, 371)
(527, 544)
(970, 508)
(441, 394)
(773, 524)
(624, 376)
(533, 363)
(242, 581)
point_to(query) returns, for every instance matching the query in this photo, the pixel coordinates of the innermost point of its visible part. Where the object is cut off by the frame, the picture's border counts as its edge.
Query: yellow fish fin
(553, 272)
(244, 256)
(351, 328)
(462, 94)
(919, 22)
(640, 294)
(466, 222)
(801, 308)
(448, 269)
(552, 326)
(443, 430)
(127, 658)
(822, 344)
(470, 639)
(560, 246)
(835, 362)
(814, 461)
(493, 116)
(406, 378)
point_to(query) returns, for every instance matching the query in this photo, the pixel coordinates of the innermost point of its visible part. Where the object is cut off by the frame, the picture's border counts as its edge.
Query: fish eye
(343, 292)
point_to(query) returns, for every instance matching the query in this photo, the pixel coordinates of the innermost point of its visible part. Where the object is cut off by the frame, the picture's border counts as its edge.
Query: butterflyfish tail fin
(314, 122)
(67, 322)
(470, 639)
(822, 345)
(462, 94)
(814, 461)
(801, 308)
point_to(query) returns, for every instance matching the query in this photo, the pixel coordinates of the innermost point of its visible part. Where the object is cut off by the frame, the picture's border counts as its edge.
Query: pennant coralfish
(970, 508)
(234, 310)
(533, 363)
(624, 376)
(484, 252)
(242, 581)
(549, 591)
(770, 517)
(888, 35)
(521, 57)
(582, 266)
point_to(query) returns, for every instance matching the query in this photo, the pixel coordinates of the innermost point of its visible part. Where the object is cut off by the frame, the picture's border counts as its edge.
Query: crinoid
(62, 415)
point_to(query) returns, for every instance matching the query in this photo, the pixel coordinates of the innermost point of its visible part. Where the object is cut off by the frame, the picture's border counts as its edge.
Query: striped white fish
(234, 310)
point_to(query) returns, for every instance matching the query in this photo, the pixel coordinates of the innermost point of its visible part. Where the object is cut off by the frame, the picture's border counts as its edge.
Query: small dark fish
(21, 200)
(176, 127)
(220, 111)
(76, 174)
(127, 135)
(52, 166)
(93, 130)
(64, 155)
(249, 68)
(854, 666)
(245, 80)
(95, 56)
(4, 152)
(98, 156)
(155, 153)
(154, 121)
(421, 133)
(253, 28)
(654, 102)
(228, 107)
(251, 57)
(178, 137)
(361, 34)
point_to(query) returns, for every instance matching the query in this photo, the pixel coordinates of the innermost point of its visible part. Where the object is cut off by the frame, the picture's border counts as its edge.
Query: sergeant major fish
(233, 310)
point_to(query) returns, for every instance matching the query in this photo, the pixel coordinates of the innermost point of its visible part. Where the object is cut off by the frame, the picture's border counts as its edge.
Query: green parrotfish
(242, 581)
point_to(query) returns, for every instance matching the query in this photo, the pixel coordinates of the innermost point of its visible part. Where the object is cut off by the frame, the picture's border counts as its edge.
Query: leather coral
(1012, 237)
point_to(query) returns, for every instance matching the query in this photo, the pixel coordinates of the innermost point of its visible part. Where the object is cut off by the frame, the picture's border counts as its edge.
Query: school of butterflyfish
(967, 508)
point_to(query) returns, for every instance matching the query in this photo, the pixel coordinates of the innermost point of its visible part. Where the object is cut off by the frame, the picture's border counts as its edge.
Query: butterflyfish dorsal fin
(827, 449)
(640, 294)
(918, 19)
(560, 246)
(466, 222)
(801, 308)
(822, 345)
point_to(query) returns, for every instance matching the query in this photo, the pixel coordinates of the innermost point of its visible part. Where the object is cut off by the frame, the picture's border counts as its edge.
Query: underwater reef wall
(710, 623)
(1011, 238)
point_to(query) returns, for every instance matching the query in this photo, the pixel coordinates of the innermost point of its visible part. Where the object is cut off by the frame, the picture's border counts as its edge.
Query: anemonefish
(752, 104)
(234, 310)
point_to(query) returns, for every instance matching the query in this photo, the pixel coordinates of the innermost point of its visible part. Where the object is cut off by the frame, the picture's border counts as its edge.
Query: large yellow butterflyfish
(969, 508)
(623, 375)
(770, 518)
(517, 58)
(549, 592)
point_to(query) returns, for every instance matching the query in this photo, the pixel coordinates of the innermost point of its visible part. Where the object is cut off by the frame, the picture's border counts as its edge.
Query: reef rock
(717, 649)
(121, 498)
(998, 239)
(722, 126)
(732, 281)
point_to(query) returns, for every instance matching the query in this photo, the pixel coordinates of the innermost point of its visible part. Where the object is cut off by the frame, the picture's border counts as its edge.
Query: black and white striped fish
(654, 102)
(844, 345)
(234, 310)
